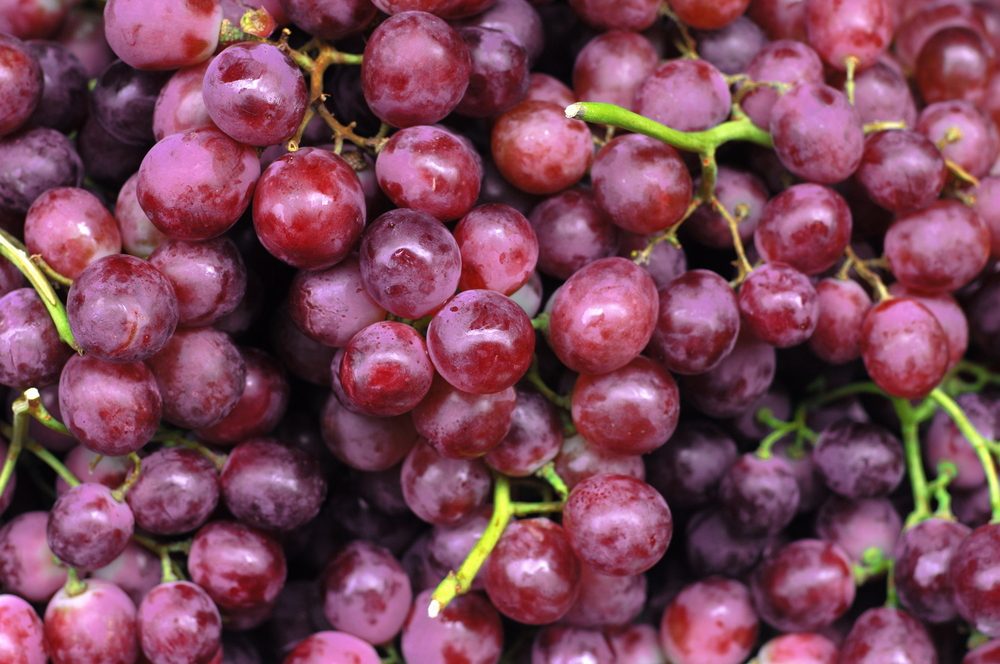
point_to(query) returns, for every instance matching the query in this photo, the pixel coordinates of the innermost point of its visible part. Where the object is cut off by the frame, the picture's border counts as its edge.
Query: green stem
(550, 507)
(52, 462)
(853, 389)
(873, 563)
(946, 472)
(13, 251)
(541, 322)
(549, 474)
(701, 142)
(535, 379)
(979, 444)
(172, 438)
(44, 417)
(166, 567)
(18, 436)
(74, 586)
(457, 583)
(914, 464)
(130, 480)
(392, 655)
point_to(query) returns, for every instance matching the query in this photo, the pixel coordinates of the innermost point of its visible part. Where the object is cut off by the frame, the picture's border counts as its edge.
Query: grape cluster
(469, 331)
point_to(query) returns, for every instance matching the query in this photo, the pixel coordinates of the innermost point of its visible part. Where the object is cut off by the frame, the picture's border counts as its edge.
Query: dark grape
(239, 567)
(88, 527)
(31, 352)
(922, 558)
(178, 621)
(859, 460)
(975, 581)
(759, 496)
(806, 226)
(440, 490)
(859, 525)
(176, 492)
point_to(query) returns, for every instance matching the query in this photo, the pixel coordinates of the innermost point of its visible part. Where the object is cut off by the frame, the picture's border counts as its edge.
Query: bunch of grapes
(481, 331)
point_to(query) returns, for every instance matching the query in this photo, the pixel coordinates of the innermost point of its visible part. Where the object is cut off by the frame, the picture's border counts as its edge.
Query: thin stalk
(52, 462)
(130, 479)
(914, 463)
(74, 586)
(549, 474)
(535, 379)
(547, 507)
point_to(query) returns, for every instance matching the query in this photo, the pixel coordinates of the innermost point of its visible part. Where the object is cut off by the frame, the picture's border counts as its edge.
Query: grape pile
(481, 331)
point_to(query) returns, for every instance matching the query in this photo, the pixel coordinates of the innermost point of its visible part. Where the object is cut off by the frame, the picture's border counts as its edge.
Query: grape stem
(851, 63)
(130, 479)
(861, 267)
(549, 474)
(909, 423)
(15, 252)
(172, 438)
(946, 472)
(457, 583)
(18, 436)
(873, 563)
(535, 378)
(541, 322)
(642, 256)
(685, 44)
(74, 586)
(979, 443)
(780, 429)
(41, 414)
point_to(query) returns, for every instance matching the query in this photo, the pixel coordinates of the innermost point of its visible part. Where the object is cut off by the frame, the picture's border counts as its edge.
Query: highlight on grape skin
(521, 331)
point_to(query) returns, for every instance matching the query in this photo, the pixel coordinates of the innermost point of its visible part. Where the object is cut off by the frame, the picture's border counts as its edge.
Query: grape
(636, 644)
(271, 486)
(326, 20)
(239, 567)
(572, 232)
(201, 376)
(88, 528)
(31, 352)
(807, 226)
(23, 83)
(881, 94)
(538, 149)
(27, 566)
(984, 654)
(449, 545)
(180, 106)
(203, 199)
(460, 425)
(606, 600)
(261, 405)
(904, 349)
(743, 195)
(860, 29)
(122, 309)
(710, 622)
(603, 316)
(566, 645)
(736, 382)
(481, 342)
(684, 94)
(332, 305)
(944, 442)
(636, 15)
(122, 101)
(842, 305)
(925, 20)
(578, 459)
(363, 442)
(781, 61)
(708, 17)
(468, 628)
(178, 623)
(499, 249)
(518, 19)
(45, 159)
(532, 575)
(611, 66)
(632, 410)
(410, 263)
(922, 557)
(641, 183)
(688, 470)
(111, 408)
(431, 170)
(98, 625)
(542, 87)
(416, 69)
(617, 524)
(168, 36)
(886, 634)
(208, 277)
(974, 579)
(859, 525)
(713, 547)
(858, 460)
(82, 33)
(328, 646)
(799, 648)
(926, 258)
(817, 133)
(758, 496)
(305, 358)
(440, 490)
(366, 592)
(31, 19)
(963, 134)
(986, 206)
(385, 370)
(803, 586)
(63, 104)
(22, 638)
(89, 466)
(176, 492)
(139, 236)
(955, 63)
(779, 305)
(732, 47)
(105, 158)
(499, 76)
(135, 570)
(309, 209)
(71, 229)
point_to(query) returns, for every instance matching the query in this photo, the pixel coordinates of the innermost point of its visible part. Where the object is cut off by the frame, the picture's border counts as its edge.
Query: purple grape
(98, 625)
(534, 438)
(800, 648)
(176, 492)
(71, 229)
(779, 305)
(923, 557)
(135, 570)
(858, 525)
(881, 94)
(122, 309)
(606, 600)
(122, 100)
(859, 460)
(710, 622)
(268, 485)
(22, 638)
(180, 106)
(366, 593)
(904, 348)
(572, 232)
(499, 249)
(886, 634)
(177, 623)
(111, 408)
(209, 278)
(239, 567)
(261, 406)
(468, 628)
(332, 305)
(842, 307)
(963, 133)
(23, 83)
(685, 94)
(944, 442)
(499, 76)
(328, 646)
(688, 470)
(441, 490)
(63, 104)
(27, 566)
(105, 158)
(744, 197)
(713, 547)
(562, 645)
(807, 226)
(31, 352)
(736, 382)
(578, 459)
(139, 236)
(902, 170)
(780, 61)
(974, 579)
(612, 66)
(88, 527)
(148, 37)
(759, 496)
(44, 159)
(732, 47)
(516, 18)
(860, 29)
(364, 442)
(328, 21)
